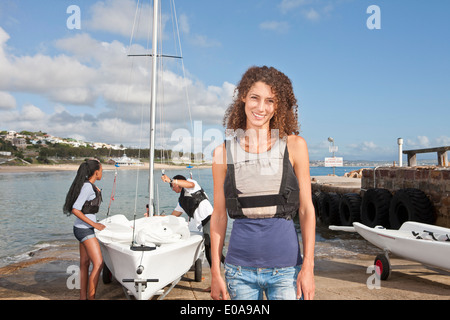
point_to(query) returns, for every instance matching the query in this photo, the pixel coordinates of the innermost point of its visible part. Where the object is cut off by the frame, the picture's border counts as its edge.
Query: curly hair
(285, 118)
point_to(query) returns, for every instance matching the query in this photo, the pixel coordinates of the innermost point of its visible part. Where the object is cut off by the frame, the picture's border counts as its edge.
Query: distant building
(19, 142)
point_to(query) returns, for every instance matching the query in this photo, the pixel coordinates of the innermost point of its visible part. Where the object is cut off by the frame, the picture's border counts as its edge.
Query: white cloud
(60, 78)
(195, 39)
(312, 14)
(443, 141)
(7, 101)
(90, 71)
(118, 16)
(421, 142)
(279, 26)
(287, 5)
(312, 10)
(365, 147)
(32, 113)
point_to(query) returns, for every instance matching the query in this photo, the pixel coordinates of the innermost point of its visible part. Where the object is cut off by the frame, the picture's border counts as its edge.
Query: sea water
(31, 215)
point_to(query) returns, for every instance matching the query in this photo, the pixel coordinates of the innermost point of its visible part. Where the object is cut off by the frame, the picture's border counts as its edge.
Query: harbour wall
(434, 181)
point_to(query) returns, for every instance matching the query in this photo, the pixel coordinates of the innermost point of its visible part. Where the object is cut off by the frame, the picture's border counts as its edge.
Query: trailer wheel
(410, 205)
(375, 207)
(382, 266)
(106, 274)
(350, 208)
(198, 270)
(329, 209)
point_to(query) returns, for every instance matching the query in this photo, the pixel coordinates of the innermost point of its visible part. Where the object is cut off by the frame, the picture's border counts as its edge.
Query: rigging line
(185, 82)
(138, 9)
(134, 25)
(182, 65)
(136, 18)
(113, 191)
(161, 87)
(131, 68)
(184, 74)
(141, 134)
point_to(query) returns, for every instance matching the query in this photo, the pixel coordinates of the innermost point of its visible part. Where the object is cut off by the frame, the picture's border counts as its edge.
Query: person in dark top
(83, 200)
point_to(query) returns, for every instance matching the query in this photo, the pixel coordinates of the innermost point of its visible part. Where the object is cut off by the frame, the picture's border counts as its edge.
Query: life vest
(92, 206)
(261, 185)
(190, 201)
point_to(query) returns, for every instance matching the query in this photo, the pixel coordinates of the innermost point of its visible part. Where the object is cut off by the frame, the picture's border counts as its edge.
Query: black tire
(198, 270)
(316, 199)
(410, 205)
(106, 274)
(384, 267)
(375, 207)
(350, 209)
(329, 209)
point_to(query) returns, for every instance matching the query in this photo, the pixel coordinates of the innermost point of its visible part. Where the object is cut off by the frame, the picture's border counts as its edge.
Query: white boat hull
(404, 243)
(164, 265)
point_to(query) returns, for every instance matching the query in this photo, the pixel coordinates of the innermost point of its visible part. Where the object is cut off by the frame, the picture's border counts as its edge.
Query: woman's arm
(82, 217)
(218, 224)
(298, 153)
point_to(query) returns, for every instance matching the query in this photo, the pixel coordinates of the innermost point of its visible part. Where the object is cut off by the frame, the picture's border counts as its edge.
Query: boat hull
(153, 269)
(404, 242)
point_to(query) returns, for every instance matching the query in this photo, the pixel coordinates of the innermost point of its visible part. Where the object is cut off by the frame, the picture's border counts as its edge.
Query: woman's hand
(305, 284)
(99, 226)
(218, 288)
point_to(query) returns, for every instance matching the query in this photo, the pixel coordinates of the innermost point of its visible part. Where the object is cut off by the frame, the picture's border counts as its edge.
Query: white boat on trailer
(149, 254)
(420, 242)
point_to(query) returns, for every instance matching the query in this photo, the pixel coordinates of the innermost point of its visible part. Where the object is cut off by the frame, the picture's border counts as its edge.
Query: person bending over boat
(83, 200)
(261, 179)
(194, 202)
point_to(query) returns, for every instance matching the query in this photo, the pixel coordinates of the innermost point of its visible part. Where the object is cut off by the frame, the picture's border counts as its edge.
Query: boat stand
(165, 293)
(141, 285)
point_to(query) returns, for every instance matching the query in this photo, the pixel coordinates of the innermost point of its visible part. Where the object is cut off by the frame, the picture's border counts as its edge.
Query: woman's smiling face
(259, 106)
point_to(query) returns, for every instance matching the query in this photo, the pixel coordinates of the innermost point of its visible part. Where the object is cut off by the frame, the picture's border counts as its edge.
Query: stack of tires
(377, 207)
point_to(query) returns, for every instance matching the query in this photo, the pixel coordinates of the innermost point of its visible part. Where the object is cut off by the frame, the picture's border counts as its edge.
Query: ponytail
(85, 171)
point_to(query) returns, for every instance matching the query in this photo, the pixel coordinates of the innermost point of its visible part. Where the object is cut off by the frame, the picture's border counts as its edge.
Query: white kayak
(424, 243)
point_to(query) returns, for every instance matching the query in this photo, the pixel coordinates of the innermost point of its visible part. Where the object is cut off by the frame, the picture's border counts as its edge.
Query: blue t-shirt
(264, 243)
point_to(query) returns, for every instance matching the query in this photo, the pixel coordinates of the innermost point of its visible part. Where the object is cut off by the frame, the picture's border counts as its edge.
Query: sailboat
(149, 255)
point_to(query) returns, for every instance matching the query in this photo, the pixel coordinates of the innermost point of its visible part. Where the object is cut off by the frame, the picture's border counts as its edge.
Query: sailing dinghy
(420, 242)
(148, 254)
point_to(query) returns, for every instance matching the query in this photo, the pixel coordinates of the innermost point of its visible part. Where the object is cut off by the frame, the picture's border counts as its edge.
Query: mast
(153, 106)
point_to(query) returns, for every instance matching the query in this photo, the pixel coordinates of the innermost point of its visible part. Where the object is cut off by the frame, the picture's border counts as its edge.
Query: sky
(364, 72)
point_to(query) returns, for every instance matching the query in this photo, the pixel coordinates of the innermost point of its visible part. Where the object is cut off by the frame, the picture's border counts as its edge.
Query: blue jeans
(248, 283)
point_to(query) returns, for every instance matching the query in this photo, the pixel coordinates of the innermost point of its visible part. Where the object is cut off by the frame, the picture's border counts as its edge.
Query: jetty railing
(441, 155)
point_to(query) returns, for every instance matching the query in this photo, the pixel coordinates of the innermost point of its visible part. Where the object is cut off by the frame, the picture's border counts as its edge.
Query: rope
(113, 191)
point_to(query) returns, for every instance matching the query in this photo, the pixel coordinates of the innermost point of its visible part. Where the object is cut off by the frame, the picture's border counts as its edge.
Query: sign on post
(334, 162)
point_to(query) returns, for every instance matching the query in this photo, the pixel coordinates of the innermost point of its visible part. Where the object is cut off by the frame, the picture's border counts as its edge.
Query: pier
(428, 186)
(340, 274)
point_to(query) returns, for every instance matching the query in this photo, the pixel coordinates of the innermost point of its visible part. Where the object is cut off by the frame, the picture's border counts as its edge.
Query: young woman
(261, 178)
(83, 200)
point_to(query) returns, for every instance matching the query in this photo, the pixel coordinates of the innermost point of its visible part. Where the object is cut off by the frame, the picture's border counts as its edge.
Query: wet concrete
(341, 273)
